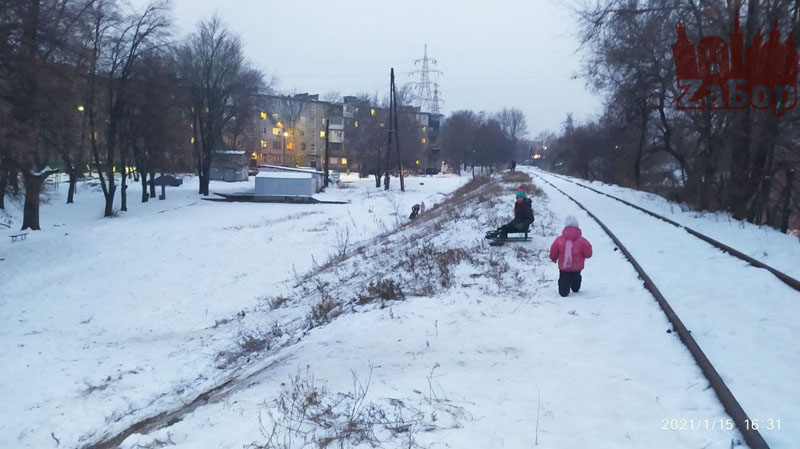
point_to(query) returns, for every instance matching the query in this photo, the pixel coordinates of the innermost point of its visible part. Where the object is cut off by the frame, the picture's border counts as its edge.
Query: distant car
(168, 180)
(333, 175)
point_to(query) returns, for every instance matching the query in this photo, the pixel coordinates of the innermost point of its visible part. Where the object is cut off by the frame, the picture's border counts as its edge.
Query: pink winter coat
(570, 249)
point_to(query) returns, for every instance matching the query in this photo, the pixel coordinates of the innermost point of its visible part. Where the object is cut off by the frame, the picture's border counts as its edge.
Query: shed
(277, 183)
(319, 177)
(229, 166)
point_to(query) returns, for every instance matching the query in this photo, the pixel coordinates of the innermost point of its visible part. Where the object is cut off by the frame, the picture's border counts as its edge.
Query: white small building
(282, 183)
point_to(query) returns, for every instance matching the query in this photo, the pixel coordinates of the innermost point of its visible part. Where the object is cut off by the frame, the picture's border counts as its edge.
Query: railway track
(731, 405)
(785, 278)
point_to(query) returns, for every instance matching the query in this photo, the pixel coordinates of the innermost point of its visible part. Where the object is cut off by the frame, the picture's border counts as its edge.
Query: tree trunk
(109, 209)
(13, 180)
(33, 188)
(740, 154)
(204, 180)
(786, 200)
(145, 196)
(637, 166)
(3, 185)
(152, 184)
(73, 181)
(123, 190)
(205, 176)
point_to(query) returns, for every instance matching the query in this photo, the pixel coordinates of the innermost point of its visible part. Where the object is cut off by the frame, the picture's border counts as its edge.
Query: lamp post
(285, 133)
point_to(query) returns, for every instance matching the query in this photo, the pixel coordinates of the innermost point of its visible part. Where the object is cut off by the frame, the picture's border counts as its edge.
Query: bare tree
(36, 39)
(217, 78)
(118, 41)
(513, 123)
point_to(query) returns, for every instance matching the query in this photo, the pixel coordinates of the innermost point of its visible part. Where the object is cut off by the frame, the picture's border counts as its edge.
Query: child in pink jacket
(570, 249)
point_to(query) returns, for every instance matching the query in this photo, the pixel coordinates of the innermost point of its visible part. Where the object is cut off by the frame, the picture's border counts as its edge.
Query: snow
(103, 318)
(283, 175)
(780, 251)
(45, 170)
(743, 318)
(104, 322)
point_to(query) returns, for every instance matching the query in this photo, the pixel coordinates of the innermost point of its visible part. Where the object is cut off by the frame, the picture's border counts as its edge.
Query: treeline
(95, 83)
(743, 161)
(486, 141)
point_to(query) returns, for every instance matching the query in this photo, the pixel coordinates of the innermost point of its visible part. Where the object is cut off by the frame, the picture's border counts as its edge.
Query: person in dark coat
(523, 217)
(414, 211)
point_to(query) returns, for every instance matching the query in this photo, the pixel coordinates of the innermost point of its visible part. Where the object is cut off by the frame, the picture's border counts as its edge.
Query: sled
(520, 236)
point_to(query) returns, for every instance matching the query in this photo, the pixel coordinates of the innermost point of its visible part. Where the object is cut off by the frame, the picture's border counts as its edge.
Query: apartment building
(290, 131)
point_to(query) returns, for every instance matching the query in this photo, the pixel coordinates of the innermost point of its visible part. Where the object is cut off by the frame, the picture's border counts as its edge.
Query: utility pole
(393, 128)
(327, 156)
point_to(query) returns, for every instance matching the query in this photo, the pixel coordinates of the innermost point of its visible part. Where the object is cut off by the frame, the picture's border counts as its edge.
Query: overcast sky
(520, 53)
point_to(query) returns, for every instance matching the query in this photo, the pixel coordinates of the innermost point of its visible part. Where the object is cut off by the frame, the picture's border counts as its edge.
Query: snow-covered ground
(779, 250)
(744, 319)
(104, 322)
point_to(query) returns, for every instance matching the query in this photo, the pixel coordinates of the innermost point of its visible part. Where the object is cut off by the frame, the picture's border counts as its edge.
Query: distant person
(422, 207)
(414, 211)
(570, 250)
(513, 164)
(523, 217)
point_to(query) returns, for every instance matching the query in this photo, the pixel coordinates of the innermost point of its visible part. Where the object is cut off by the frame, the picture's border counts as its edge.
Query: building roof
(283, 175)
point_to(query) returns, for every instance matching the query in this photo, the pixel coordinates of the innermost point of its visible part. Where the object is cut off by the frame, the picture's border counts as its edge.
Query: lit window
(372, 112)
(279, 125)
(254, 155)
(95, 136)
(344, 160)
(424, 128)
(322, 133)
(423, 140)
(80, 108)
(263, 144)
(263, 115)
(356, 124)
(276, 132)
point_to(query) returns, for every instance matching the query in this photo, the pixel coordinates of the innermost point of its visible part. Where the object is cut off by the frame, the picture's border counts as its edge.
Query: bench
(20, 236)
